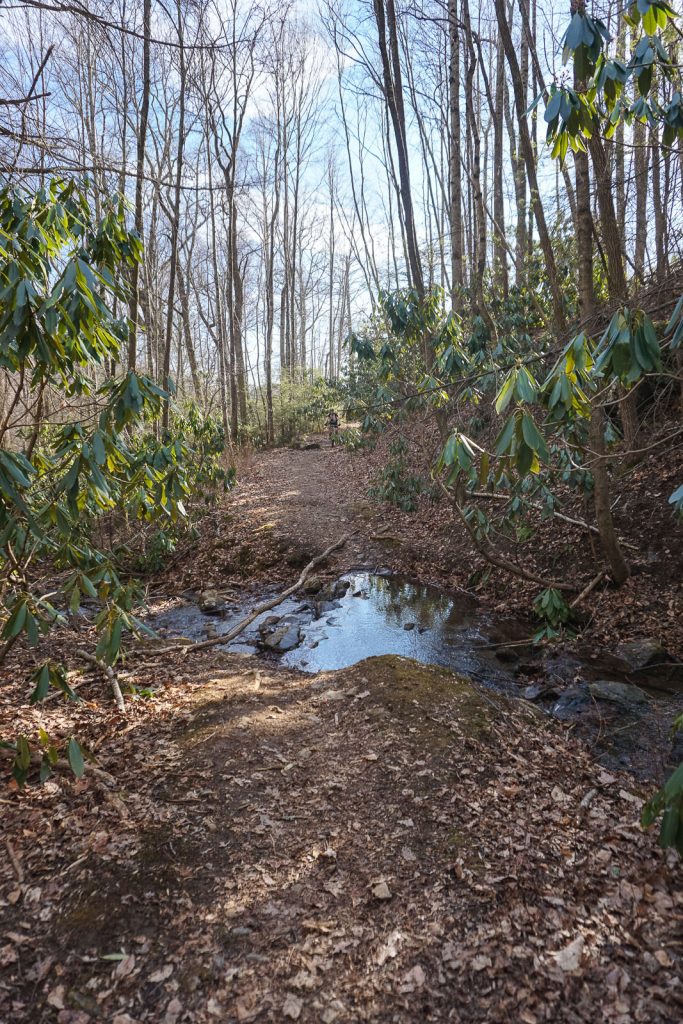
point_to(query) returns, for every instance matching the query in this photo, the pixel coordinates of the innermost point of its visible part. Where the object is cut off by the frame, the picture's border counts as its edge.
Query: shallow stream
(366, 614)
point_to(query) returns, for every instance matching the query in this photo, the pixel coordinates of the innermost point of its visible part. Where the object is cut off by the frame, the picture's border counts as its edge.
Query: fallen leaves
(453, 870)
(568, 959)
(412, 980)
(162, 974)
(390, 948)
(381, 891)
(292, 1006)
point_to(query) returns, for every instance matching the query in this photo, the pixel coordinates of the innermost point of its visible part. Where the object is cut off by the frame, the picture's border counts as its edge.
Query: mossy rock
(417, 694)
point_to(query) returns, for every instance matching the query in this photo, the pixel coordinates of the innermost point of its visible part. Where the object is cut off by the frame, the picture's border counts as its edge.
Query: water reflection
(388, 615)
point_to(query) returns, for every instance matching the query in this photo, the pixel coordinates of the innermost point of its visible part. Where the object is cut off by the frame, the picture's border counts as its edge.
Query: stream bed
(361, 615)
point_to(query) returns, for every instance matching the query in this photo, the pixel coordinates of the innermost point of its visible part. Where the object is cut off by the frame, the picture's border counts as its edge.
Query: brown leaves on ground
(380, 844)
(268, 869)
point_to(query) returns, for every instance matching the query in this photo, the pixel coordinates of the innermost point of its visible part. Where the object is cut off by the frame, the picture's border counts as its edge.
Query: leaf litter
(424, 853)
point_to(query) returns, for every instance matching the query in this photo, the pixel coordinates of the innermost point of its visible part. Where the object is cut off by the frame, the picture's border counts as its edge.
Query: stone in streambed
(574, 701)
(637, 655)
(618, 693)
(286, 638)
(210, 602)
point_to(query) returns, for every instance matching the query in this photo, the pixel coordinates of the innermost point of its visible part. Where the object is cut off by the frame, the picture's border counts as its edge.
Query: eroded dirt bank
(384, 843)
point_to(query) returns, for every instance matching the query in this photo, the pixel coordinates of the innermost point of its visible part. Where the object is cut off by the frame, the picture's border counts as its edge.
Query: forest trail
(311, 497)
(380, 844)
(289, 506)
(383, 843)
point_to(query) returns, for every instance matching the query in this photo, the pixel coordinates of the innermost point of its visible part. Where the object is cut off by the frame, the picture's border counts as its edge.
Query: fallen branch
(587, 589)
(14, 861)
(555, 514)
(111, 676)
(226, 638)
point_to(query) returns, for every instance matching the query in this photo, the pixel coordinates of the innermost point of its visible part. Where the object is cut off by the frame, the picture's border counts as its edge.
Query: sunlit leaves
(571, 120)
(57, 281)
(564, 390)
(59, 272)
(573, 116)
(519, 384)
(522, 444)
(654, 15)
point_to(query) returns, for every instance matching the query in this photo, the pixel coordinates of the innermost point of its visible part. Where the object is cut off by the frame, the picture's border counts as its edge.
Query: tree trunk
(140, 170)
(528, 154)
(393, 95)
(601, 495)
(455, 158)
(187, 330)
(641, 158)
(500, 254)
(175, 225)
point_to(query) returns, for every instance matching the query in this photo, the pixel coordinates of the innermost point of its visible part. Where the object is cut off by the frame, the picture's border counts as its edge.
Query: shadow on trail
(347, 848)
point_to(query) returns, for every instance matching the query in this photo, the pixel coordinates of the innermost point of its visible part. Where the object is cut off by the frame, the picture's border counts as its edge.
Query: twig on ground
(587, 589)
(14, 861)
(109, 673)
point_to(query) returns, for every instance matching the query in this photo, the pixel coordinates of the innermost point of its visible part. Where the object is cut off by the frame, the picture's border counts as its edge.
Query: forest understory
(452, 234)
(387, 842)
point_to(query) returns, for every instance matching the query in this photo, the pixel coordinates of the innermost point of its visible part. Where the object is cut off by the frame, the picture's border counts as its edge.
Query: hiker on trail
(333, 426)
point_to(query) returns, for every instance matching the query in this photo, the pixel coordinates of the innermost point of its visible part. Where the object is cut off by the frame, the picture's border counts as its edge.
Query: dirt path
(381, 844)
(288, 507)
(312, 497)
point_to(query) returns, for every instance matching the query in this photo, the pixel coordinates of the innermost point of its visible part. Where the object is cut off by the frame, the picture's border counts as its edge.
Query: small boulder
(408, 626)
(340, 588)
(574, 701)
(618, 693)
(313, 585)
(286, 638)
(210, 602)
(641, 654)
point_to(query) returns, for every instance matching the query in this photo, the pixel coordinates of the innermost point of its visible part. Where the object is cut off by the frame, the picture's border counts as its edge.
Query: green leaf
(23, 758)
(505, 393)
(525, 459)
(504, 439)
(525, 386)
(75, 755)
(42, 684)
